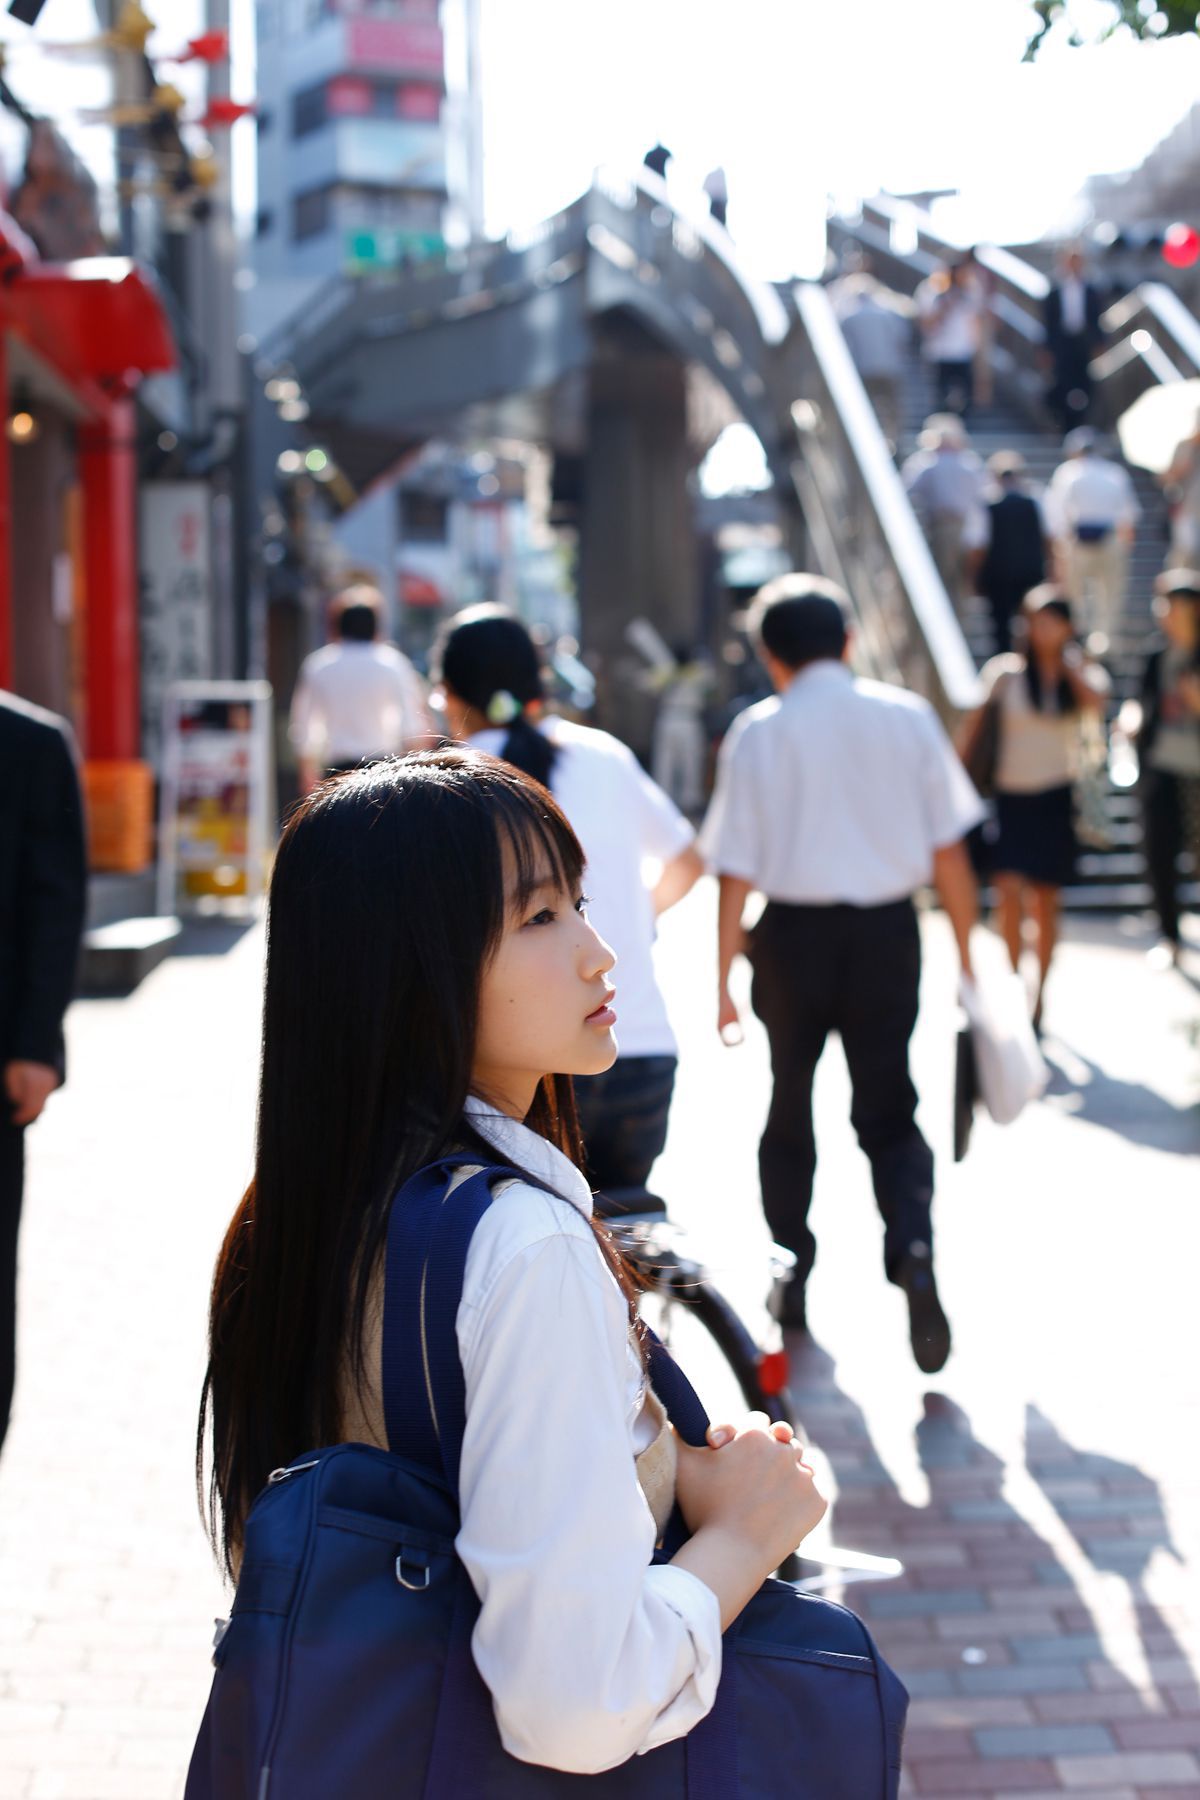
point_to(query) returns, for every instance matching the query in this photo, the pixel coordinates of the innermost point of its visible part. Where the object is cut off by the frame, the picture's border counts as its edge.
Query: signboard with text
(214, 833)
(175, 545)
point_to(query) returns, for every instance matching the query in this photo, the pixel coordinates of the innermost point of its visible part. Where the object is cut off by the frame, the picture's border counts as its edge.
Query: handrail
(1155, 308)
(1017, 300)
(772, 315)
(856, 506)
(1008, 268)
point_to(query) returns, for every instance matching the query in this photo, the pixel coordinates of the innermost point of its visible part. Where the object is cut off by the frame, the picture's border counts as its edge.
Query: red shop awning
(99, 319)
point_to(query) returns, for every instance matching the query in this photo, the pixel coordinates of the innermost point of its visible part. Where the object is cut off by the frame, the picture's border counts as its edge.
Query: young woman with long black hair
(432, 981)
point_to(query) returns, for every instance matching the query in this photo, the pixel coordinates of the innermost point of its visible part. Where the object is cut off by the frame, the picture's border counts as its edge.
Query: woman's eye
(582, 904)
(545, 917)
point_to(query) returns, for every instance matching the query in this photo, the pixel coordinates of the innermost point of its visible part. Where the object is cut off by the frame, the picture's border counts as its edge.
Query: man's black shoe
(787, 1306)
(928, 1326)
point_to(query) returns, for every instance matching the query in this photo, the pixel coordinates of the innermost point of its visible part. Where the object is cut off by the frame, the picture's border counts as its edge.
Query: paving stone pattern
(1041, 1494)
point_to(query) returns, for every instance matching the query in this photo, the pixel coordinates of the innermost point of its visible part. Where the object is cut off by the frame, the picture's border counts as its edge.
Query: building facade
(352, 143)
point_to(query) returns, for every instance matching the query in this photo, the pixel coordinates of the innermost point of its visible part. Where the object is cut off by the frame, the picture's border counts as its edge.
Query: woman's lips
(604, 1014)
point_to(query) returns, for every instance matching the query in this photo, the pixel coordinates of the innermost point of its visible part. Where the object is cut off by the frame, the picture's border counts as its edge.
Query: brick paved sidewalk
(1043, 1493)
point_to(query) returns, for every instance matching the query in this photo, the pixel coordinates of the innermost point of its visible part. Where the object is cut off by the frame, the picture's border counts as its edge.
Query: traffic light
(1181, 246)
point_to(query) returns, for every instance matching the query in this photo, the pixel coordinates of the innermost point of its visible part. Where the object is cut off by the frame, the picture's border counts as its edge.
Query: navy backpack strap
(429, 1235)
(684, 1407)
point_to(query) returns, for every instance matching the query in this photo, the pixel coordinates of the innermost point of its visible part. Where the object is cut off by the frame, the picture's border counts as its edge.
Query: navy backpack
(345, 1671)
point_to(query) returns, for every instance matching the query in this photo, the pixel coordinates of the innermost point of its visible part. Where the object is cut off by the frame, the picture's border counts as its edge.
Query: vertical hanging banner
(215, 794)
(176, 599)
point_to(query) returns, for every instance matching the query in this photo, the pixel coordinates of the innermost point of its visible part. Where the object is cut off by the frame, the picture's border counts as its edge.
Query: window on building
(264, 221)
(310, 110)
(419, 100)
(424, 518)
(312, 213)
(264, 120)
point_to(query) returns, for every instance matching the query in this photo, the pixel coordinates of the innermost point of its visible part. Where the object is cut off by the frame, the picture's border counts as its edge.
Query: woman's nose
(599, 956)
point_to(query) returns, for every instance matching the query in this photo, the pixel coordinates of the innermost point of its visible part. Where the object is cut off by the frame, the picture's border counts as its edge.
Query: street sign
(215, 806)
(176, 603)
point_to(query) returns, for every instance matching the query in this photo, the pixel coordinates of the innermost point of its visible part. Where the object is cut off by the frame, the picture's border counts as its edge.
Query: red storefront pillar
(108, 470)
(6, 656)
(117, 786)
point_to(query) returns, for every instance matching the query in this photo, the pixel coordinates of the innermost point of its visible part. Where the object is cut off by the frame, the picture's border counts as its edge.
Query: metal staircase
(1153, 339)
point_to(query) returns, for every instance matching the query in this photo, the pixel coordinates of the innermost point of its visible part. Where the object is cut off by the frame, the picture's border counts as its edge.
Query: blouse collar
(531, 1152)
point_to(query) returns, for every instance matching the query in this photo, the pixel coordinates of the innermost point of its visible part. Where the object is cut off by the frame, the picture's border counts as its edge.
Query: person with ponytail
(432, 983)
(489, 676)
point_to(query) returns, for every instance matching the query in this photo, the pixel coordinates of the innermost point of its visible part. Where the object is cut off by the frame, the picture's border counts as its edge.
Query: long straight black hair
(388, 899)
(489, 659)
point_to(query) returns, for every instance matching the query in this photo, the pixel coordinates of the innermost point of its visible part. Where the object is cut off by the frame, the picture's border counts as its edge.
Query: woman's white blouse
(591, 1655)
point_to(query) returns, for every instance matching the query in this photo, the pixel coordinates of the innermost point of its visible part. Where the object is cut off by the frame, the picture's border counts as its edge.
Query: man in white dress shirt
(358, 699)
(836, 800)
(1092, 511)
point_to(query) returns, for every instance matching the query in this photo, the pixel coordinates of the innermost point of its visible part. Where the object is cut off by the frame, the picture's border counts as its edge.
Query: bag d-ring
(414, 1587)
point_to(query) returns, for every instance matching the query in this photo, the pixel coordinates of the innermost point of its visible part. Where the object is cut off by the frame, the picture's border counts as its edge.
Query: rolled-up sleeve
(732, 838)
(591, 1655)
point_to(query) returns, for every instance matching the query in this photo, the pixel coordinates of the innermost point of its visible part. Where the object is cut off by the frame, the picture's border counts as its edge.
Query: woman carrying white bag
(1043, 703)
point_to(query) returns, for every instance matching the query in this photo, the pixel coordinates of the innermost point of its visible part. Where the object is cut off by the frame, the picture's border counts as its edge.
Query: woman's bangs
(540, 844)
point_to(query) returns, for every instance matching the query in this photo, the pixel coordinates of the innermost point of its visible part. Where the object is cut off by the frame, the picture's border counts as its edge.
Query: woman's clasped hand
(753, 1485)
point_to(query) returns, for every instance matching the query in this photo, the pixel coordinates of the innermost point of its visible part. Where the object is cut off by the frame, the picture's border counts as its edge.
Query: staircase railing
(1156, 340)
(862, 526)
(905, 246)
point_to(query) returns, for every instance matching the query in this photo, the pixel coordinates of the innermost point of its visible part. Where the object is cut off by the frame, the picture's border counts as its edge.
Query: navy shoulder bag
(346, 1667)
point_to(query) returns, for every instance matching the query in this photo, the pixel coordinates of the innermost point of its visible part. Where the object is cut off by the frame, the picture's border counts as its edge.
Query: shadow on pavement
(211, 937)
(1129, 1108)
(987, 1627)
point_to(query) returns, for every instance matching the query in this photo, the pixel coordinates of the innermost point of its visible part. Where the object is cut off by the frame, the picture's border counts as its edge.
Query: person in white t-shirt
(641, 858)
(358, 699)
(949, 308)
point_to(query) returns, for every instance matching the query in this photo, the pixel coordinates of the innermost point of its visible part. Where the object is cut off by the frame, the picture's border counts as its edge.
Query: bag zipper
(264, 1775)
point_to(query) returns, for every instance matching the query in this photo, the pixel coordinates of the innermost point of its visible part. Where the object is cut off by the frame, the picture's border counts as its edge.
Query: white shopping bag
(1011, 1069)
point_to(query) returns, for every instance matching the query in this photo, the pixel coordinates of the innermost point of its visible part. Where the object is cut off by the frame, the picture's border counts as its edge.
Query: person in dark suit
(1007, 544)
(43, 892)
(1074, 335)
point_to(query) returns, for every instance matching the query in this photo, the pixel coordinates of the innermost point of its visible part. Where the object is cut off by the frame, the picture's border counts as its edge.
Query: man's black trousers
(854, 970)
(12, 1171)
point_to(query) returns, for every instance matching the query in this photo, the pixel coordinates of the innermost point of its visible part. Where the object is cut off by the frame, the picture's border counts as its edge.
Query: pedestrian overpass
(623, 335)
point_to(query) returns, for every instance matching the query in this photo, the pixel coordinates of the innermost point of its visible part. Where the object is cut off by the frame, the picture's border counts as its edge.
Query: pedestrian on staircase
(1007, 543)
(716, 192)
(1037, 701)
(949, 307)
(836, 799)
(1074, 335)
(1165, 720)
(945, 481)
(1093, 513)
(877, 327)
